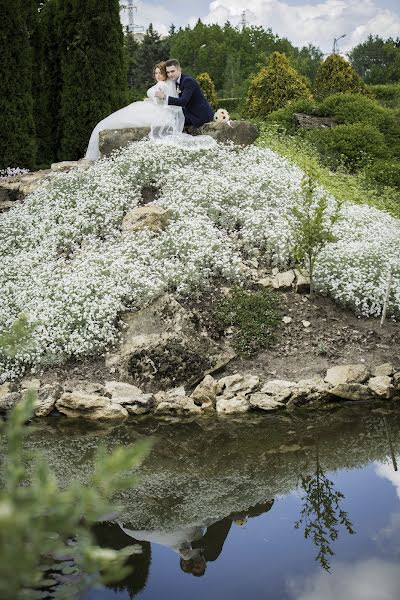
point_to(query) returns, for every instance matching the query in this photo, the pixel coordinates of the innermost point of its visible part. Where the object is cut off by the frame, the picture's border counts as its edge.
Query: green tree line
(66, 64)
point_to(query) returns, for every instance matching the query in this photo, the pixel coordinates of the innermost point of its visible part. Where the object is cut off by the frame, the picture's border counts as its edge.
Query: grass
(255, 315)
(342, 185)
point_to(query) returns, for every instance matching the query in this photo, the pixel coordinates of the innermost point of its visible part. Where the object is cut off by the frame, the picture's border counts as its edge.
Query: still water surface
(280, 507)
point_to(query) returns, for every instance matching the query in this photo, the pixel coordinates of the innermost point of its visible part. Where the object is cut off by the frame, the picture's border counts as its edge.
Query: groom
(195, 107)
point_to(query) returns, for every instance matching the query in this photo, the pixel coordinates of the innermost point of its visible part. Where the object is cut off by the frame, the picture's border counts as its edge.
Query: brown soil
(335, 336)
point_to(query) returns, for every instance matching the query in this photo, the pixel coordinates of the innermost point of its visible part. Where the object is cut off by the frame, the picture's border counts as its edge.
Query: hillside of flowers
(69, 267)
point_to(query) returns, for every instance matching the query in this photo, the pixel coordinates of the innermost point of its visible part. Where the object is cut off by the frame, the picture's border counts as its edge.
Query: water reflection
(321, 513)
(217, 501)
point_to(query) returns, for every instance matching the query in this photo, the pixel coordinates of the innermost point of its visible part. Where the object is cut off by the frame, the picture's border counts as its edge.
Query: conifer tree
(93, 68)
(47, 82)
(208, 88)
(274, 86)
(17, 131)
(152, 50)
(335, 75)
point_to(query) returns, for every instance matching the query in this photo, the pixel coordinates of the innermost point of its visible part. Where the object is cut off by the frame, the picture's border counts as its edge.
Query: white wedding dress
(166, 122)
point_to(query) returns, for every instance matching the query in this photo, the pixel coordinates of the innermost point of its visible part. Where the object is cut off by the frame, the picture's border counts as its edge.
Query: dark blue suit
(196, 109)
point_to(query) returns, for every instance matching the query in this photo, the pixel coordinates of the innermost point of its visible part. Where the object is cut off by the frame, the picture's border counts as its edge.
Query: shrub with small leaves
(274, 86)
(254, 314)
(208, 88)
(335, 75)
(311, 221)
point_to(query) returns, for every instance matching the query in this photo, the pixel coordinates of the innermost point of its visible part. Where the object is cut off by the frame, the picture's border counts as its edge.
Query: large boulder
(382, 386)
(89, 406)
(162, 348)
(175, 402)
(304, 121)
(240, 133)
(112, 139)
(347, 374)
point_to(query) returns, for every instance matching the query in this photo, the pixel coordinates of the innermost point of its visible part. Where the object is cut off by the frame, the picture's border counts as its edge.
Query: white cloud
(386, 471)
(306, 23)
(364, 580)
(158, 15)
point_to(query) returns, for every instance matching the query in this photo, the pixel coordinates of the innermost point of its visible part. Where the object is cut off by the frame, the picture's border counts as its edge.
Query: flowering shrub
(67, 264)
(10, 172)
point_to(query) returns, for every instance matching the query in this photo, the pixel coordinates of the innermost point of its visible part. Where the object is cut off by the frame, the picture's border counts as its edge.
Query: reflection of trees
(321, 514)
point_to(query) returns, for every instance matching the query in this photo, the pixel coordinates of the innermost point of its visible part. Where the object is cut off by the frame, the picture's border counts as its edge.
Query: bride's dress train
(165, 122)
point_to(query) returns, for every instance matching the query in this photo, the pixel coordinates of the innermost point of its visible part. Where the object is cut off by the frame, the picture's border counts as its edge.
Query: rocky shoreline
(239, 393)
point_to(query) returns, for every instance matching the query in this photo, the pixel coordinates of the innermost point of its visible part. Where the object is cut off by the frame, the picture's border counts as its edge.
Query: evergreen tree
(274, 86)
(208, 88)
(232, 81)
(17, 131)
(47, 82)
(377, 60)
(152, 50)
(335, 75)
(93, 70)
(131, 49)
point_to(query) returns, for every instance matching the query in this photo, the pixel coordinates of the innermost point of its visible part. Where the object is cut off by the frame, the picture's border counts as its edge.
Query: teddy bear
(221, 115)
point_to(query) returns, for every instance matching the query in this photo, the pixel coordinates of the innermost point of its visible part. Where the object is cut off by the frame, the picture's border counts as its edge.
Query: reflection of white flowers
(67, 265)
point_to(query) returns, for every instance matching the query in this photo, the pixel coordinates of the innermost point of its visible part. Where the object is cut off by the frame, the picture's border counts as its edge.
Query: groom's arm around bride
(196, 109)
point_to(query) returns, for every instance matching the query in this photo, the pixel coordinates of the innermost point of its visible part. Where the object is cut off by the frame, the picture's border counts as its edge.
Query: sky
(303, 22)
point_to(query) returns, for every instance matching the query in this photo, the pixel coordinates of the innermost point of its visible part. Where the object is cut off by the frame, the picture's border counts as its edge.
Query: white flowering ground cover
(68, 266)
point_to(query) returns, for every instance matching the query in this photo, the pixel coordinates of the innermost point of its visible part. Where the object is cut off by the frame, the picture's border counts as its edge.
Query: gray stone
(46, 399)
(240, 133)
(175, 402)
(232, 385)
(384, 369)
(347, 374)
(130, 397)
(229, 406)
(161, 348)
(151, 216)
(278, 389)
(69, 165)
(206, 392)
(89, 406)
(304, 121)
(8, 398)
(351, 391)
(382, 386)
(309, 391)
(82, 385)
(30, 384)
(264, 402)
(302, 283)
(113, 139)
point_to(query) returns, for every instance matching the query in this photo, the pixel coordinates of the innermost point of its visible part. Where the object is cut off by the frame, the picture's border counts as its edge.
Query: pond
(298, 506)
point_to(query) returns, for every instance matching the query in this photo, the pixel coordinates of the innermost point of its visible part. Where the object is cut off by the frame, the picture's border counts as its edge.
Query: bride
(165, 121)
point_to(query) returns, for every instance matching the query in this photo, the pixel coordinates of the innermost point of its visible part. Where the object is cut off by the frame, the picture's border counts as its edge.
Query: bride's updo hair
(162, 67)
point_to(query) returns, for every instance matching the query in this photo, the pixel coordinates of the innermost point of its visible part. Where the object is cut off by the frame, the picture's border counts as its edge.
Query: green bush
(384, 173)
(232, 105)
(348, 108)
(274, 86)
(388, 94)
(208, 89)
(284, 116)
(255, 314)
(351, 146)
(335, 75)
(389, 125)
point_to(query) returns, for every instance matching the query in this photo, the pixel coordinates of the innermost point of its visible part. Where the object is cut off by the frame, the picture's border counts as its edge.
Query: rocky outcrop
(17, 187)
(161, 348)
(152, 217)
(240, 133)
